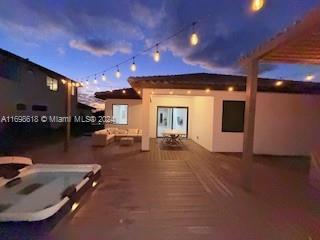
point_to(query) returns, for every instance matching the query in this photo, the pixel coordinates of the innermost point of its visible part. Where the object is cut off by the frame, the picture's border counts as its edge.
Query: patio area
(182, 194)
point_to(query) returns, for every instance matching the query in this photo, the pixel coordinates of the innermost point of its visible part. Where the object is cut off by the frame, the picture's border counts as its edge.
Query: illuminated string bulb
(133, 66)
(95, 81)
(87, 82)
(257, 5)
(156, 55)
(309, 77)
(118, 74)
(194, 39)
(103, 77)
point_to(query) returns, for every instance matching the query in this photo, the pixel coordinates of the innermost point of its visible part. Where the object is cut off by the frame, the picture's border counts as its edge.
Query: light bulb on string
(257, 5)
(156, 55)
(103, 77)
(133, 65)
(194, 39)
(95, 81)
(118, 74)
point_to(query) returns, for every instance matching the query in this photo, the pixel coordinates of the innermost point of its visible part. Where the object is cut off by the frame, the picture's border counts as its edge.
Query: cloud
(226, 31)
(146, 16)
(101, 47)
(61, 51)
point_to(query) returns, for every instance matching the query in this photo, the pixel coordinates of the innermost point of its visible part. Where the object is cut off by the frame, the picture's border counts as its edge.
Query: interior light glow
(230, 89)
(207, 90)
(279, 83)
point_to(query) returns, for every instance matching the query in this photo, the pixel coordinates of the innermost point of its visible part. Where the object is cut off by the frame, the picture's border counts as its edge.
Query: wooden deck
(186, 193)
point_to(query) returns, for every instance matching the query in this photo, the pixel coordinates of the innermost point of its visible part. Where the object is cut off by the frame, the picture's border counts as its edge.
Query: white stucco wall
(134, 112)
(285, 124)
(202, 116)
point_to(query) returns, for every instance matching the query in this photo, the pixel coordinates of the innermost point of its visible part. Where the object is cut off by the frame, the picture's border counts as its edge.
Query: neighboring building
(84, 109)
(29, 89)
(210, 109)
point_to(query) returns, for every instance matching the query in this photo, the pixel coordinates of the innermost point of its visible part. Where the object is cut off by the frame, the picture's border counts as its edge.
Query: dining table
(173, 137)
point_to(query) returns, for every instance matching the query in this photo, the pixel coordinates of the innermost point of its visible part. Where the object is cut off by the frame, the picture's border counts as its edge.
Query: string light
(309, 77)
(95, 81)
(118, 74)
(63, 81)
(103, 77)
(133, 66)
(156, 55)
(194, 39)
(257, 5)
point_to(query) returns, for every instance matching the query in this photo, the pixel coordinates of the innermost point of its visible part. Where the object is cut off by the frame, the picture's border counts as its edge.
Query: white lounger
(15, 160)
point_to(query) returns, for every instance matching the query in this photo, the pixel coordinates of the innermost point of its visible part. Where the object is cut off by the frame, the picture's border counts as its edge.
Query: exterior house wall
(134, 112)
(29, 87)
(202, 116)
(285, 124)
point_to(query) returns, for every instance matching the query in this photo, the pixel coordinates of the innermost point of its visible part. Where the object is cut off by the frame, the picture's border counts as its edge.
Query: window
(40, 108)
(52, 84)
(9, 69)
(233, 116)
(21, 106)
(120, 114)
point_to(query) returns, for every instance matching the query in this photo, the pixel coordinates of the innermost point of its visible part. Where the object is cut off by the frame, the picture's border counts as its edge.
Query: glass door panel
(180, 119)
(175, 118)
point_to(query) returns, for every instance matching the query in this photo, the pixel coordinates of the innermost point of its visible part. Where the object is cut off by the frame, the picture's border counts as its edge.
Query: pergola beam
(250, 109)
(298, 44)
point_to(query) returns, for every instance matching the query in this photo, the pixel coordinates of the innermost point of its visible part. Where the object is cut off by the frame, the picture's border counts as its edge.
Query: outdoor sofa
(105, 136)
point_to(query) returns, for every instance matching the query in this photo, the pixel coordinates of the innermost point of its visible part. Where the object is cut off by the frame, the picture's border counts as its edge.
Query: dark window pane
(40, 108)
(233, 116)
(9, 69)
(21, 106)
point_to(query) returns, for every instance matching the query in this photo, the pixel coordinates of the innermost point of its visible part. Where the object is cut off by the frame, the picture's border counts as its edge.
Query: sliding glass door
(175, 118)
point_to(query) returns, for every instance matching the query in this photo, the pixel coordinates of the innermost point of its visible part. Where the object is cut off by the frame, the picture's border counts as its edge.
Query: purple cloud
(100, 47)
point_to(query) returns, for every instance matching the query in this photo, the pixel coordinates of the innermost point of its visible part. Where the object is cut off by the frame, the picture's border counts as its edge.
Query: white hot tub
(39, 191)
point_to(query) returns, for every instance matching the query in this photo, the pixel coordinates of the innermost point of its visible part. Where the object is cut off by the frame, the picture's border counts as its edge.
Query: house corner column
(249, 124)
(145, 143)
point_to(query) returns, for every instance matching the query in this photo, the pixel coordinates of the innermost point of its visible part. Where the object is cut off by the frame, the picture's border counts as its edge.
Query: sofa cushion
(122, 131)
(133, 131)
(112, 130)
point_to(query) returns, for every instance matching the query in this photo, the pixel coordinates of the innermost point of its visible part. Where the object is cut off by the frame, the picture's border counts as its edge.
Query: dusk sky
(78, 38)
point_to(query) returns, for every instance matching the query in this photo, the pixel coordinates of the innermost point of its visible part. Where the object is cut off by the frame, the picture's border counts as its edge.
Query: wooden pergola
(297, 44)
